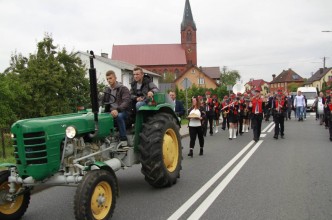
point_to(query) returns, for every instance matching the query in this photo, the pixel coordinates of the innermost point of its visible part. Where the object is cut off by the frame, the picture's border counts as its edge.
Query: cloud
(259, 38)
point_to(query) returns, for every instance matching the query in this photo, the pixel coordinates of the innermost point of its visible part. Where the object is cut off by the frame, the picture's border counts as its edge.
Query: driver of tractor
(121, 107)
(142, 88)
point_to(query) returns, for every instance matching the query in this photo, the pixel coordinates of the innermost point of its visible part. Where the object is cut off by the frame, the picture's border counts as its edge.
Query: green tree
(229, 77)
(292, 87)
(52, 80)
(167, 77)
(7, 96)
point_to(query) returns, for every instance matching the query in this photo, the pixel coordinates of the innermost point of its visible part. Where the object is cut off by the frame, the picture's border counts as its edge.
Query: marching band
(241, 111)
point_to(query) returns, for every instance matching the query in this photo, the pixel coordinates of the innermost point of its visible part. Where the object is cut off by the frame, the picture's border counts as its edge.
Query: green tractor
(83, 150)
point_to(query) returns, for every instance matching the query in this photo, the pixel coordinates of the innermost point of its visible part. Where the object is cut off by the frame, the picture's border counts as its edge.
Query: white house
(123, 70)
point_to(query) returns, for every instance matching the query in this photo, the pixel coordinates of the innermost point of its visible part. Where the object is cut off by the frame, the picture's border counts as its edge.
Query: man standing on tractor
(142, 88)
(121, 107)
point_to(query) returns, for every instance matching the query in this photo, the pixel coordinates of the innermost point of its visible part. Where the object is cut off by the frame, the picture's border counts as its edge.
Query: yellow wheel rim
(170, 150)
(9, 208)
(101, 200)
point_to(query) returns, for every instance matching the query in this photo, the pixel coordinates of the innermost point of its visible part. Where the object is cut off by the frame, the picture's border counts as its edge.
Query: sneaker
(123, 145)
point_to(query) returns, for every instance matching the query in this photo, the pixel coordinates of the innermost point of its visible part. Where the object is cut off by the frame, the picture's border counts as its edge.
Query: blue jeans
(122, 116)
(140, 104)
(299, 112)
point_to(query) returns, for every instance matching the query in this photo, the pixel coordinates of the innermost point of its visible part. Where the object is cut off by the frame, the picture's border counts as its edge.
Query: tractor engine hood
(37, 141)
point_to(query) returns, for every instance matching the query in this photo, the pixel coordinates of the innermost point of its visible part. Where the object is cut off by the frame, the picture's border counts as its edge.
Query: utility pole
(324, 61)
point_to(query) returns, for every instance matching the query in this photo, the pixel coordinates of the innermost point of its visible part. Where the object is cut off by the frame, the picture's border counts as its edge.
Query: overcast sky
(258, 37)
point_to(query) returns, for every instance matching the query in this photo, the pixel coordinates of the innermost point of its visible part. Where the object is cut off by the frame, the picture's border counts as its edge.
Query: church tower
(188, 35)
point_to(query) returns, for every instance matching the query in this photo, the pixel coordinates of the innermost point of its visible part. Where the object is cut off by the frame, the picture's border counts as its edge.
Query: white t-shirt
(195, 122)
(299, 101)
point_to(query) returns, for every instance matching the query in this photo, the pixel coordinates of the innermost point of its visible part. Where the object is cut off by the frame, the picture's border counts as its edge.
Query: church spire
(188, 19)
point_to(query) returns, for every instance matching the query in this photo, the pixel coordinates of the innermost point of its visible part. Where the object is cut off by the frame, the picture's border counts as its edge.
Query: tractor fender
(8, 165)
(114, 164)
(111, 165)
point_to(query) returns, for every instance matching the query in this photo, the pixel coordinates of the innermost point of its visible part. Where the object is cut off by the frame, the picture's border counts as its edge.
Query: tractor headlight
(71, 132)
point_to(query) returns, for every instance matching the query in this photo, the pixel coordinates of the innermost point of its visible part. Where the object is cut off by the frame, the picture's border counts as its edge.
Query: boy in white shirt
(299, 104)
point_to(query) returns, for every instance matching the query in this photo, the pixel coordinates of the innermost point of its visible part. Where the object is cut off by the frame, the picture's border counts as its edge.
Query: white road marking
(178, 213)
(271, 128)
(267, 127)
(262, 135)
(216, 192)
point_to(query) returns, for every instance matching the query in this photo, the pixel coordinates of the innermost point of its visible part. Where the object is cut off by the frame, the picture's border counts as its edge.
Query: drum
(320, 106)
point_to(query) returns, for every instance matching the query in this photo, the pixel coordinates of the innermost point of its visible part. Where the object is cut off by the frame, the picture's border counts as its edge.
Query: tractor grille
(34, 145)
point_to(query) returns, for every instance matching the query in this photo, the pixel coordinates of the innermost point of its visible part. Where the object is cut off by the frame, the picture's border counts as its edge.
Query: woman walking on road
(196, 116)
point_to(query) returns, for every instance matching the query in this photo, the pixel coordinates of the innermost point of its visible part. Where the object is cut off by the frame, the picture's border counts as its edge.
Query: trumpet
(226, 106)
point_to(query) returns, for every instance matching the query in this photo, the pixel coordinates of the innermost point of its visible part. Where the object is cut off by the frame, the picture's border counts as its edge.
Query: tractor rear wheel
(15, 209)
(160, 150)
(95, 196)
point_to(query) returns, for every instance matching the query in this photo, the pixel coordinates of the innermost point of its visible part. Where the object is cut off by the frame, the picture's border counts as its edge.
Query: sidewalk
(184, 131)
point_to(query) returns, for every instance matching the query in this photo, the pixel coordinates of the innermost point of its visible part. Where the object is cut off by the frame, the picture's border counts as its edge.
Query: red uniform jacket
(256, 102)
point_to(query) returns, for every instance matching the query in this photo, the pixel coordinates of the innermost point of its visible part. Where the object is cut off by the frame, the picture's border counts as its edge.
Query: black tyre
(95, 196)
(12, 210)
(160, 150)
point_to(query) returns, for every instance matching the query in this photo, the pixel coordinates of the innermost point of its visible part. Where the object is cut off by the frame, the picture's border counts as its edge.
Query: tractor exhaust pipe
(93, 93)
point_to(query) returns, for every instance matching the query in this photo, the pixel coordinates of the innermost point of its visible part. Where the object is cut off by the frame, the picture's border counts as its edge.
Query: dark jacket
(147, 85)
(123, 101)
(179, 109)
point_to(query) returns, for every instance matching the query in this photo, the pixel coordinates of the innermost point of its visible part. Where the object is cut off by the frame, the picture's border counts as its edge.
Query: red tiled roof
(212, 72)
(256, 82)
(287, 76)
(150, 54)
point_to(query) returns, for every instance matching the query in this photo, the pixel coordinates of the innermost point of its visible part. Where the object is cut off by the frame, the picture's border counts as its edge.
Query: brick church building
(164, 58)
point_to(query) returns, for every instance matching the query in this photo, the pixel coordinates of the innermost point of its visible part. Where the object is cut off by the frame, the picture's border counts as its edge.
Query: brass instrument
(225, 113)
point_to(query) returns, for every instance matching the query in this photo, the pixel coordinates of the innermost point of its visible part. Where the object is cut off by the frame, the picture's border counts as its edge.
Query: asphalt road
(287, 178)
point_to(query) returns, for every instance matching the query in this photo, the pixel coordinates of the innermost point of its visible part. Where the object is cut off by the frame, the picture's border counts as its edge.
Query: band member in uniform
(241, 111)
(327, 112)
(279, 108)
(224, 113)
(209, 109)
(246, 112)
(216, 111)
(267, 106)
(232, 108)
(256, 105)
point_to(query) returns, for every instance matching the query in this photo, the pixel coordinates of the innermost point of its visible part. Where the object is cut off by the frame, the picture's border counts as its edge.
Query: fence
(5, 141)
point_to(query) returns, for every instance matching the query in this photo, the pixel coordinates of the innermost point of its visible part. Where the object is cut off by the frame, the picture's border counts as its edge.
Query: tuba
(239, 88)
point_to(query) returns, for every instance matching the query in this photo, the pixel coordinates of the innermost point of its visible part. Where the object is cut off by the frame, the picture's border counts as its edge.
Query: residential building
(321, 76)
(195, 76)
(213, 72)
(123, 70)
(257, 83)
(285, 79)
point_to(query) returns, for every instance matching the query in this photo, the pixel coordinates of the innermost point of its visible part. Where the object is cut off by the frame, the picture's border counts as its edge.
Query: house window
(201, 81)
(329, 78)
(193, 71)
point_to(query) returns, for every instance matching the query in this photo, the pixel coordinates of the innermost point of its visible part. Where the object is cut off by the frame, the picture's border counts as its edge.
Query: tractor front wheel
(16, 208)
(95, 196)
(160, 150)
